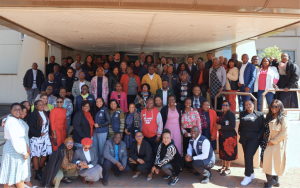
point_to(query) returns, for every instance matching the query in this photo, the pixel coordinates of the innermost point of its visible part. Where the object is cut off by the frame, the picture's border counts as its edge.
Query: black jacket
(200, 98)
(253, 134)
(28, 79)
(194, 69)
(81, 126)
(228, 130)
(112, 80)
(208, 64)
(177, 91)
(35, 131)
(142, 72)
(50, 68)
(54, 85)
(144, 154)
(53, 166)
(164, 114)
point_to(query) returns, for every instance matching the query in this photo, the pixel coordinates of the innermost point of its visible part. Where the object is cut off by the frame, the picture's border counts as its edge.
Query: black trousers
(204, 90)
(130, 99)
(203, 169)
(143, 168)
(250, 146)
(219, 104)
(153, 145)
(186, 141)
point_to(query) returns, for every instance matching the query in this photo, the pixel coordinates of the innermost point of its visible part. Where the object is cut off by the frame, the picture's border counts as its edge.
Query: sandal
(66, 180)
(226, 172)
(221, 169)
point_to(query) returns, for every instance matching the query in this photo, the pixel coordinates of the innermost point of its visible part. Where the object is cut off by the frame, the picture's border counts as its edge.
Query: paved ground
(291, 179)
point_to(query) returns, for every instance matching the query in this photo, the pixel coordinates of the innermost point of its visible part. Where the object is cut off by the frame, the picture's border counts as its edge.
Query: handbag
(233, 85)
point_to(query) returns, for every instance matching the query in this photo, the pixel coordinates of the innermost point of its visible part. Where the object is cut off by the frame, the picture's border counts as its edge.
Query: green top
(49, 106)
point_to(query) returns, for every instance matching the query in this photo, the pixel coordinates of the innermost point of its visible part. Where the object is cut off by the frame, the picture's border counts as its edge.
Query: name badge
(100, 114)
(226, 122)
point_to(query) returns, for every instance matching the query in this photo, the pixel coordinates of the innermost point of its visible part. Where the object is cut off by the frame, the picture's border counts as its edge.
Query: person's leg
(106, 168)
(133, 166)
(167, 169)
(20, 184)
(101, 141)
(240, 98)
(250, 147)
(29, 95)
(96, 145)
(270, 180)
(259, 92)
(35, 92)
(145, 168)
(269, 97)
(68, 126)
(204, 90)
(153, 145)
(59, 176)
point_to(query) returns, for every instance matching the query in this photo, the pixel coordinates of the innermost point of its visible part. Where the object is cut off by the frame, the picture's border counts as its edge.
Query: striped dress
(14, 168)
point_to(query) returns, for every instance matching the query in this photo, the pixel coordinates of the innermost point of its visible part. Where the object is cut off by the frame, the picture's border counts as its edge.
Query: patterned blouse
(190, 119)
(171, 151)
(67, 161)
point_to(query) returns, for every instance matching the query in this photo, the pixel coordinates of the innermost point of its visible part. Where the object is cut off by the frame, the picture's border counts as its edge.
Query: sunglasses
(84, 89)
(82, 74)
(70, 143)
(138, 136)
(225, 105)
(59, 101)
(276, 107)
(78, 64)
(87, 148)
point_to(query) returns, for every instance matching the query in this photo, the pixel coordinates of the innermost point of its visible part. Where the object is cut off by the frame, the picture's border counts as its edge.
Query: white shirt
(87, 155)
(15, 132)
(73, 65)
(165, 96)
(80, 85)
(205, 149)
(241, 76)
(151, 76)
(34, 79)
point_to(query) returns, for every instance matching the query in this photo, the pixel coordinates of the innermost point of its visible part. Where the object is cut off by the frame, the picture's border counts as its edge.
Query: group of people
(128, 116)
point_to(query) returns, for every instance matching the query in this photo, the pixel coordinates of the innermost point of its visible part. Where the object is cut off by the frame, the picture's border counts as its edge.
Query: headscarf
(86, 141)
(67, 139)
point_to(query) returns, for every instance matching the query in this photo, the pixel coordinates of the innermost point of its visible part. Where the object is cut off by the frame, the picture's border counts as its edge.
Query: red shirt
(149, 127)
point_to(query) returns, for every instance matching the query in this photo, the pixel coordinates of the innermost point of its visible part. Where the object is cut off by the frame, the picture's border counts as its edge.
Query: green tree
(274, 52)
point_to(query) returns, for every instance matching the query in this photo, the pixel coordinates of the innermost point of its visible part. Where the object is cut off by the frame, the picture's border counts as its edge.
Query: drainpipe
(49, 50)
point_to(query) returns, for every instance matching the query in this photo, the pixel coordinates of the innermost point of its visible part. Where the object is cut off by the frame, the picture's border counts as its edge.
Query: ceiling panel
(113, 30)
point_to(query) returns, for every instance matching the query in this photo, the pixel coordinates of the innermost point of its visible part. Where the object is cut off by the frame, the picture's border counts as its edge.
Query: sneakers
(252, 176)
(173, 181)
(246, 180)
(166, 177)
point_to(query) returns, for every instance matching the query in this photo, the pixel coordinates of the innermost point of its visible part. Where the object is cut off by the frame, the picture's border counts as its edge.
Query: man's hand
(141, 161)
(208, 90)
(126, 132)
(186, 134)
(275, 86)
(119, 165)
(286, 89)
(181, 93)
(221, 89)
(54, 138)
(240, 85)
(218, 126)
(96, 125)
(270, 143)
(157, 139)
(153, 169)
(26, 89)
(212, 137)
(247, 89)
(43, 134)
(132, 161)
(188, 158)
(122, 168)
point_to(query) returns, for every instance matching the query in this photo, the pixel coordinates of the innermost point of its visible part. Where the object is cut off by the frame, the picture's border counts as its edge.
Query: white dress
(41, 146)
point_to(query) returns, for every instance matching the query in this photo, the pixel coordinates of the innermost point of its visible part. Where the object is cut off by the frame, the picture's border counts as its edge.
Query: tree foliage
(274, 52)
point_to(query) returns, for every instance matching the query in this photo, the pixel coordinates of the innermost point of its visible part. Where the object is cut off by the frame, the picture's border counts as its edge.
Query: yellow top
(155, 83)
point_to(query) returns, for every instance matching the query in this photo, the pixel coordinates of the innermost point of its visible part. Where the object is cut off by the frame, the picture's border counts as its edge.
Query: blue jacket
(211, 156)
(79, 99)
(102, 118)
(249, 75)
(115, 120)
(174, 79)
(142, 72)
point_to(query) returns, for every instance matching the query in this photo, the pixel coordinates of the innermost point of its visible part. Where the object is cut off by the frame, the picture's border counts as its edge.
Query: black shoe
(38, 176)
(166, 177)
(205, 180)
(105, 183)
(277, 184)
(197, 174)
(118, 175)
(173, 181)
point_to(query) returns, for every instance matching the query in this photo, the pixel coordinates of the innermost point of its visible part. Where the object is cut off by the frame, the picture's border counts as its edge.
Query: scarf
(202, 118)
(91, 121)
(282, 68)
(84, 96)
(184, 91)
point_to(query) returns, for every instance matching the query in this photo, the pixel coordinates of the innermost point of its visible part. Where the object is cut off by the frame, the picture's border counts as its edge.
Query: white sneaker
(246, 180)
(252, 176)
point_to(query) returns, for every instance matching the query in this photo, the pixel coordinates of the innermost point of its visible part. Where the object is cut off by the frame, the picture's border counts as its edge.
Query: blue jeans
(68, 126)
(98, 143)
(269, 97)
(244, 97)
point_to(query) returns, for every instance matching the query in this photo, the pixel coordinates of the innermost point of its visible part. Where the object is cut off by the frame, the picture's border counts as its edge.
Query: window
(292, 55)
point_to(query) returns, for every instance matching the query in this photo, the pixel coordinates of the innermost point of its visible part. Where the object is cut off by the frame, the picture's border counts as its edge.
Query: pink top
(123, 101)
(262, 79)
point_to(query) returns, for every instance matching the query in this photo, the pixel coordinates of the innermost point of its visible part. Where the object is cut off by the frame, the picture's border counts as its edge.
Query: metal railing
(235, 93)
(1, 144)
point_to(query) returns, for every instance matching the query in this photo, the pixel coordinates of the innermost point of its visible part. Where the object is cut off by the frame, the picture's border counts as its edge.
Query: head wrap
(69, 138)
(86, 141)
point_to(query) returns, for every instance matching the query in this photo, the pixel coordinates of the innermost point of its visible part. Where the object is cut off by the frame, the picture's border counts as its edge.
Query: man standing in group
(221, 62)
(32, 82)
(57, 75)
(247, 76)
(183, 90)
(76, 89)
(104, 59)
(191, 66)
(171, 77)
(116, 62)
(201, 78)
(126, 59)
(175, 65)
(78, 69)
(234, 56)
(151, 125)
(50, 82)
(64, 67)
(142, 58)
(50, 66)
(196, 99)
(225, 61)
(209, 62)
(165, 91)
(255, 61)
(154, 80)
(78, 60)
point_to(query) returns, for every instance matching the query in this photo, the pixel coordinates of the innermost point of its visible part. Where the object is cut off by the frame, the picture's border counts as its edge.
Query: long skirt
(92, 174)
(14, 168)
(227, 148)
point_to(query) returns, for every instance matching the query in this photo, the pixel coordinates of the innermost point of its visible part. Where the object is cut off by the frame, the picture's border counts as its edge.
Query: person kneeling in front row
(200, 155)
(115, 156)
(86, 159)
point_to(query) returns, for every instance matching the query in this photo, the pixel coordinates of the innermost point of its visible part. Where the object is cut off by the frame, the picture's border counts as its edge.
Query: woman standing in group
(251, 129)
(138, 70)
(288, 78)
(85, 96)
(227, 138)
(58, 121)
(117, 119)
(89, 66)
(131, 84)
(14, 164)
(47, 107)
(132, 124)
(165, 70)
(123, 68)
(40, 144)
(217, 80)
(67, 104)
(208, 119)
(83, 124)
(120, 96)
(171, 117)
(113, 79)
(231, 83)
(158, 102)
(183, 68)
(190, 118)
(102, 120)
(68, 82)
(274, 144)
(142, 97)
(27, 105)
(168, 158)
(99, 85)
(266, 78)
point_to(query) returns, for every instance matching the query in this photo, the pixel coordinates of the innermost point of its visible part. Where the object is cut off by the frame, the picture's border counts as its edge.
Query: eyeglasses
(70, 143)
(59, 101)
(17, 110)
(225, 105)
(84, 89)
(150, 69)
(82, 74)
(254, 59)
(69, 72)
(49, 89)
(274, 106)
(78, 64)
(138, 136)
